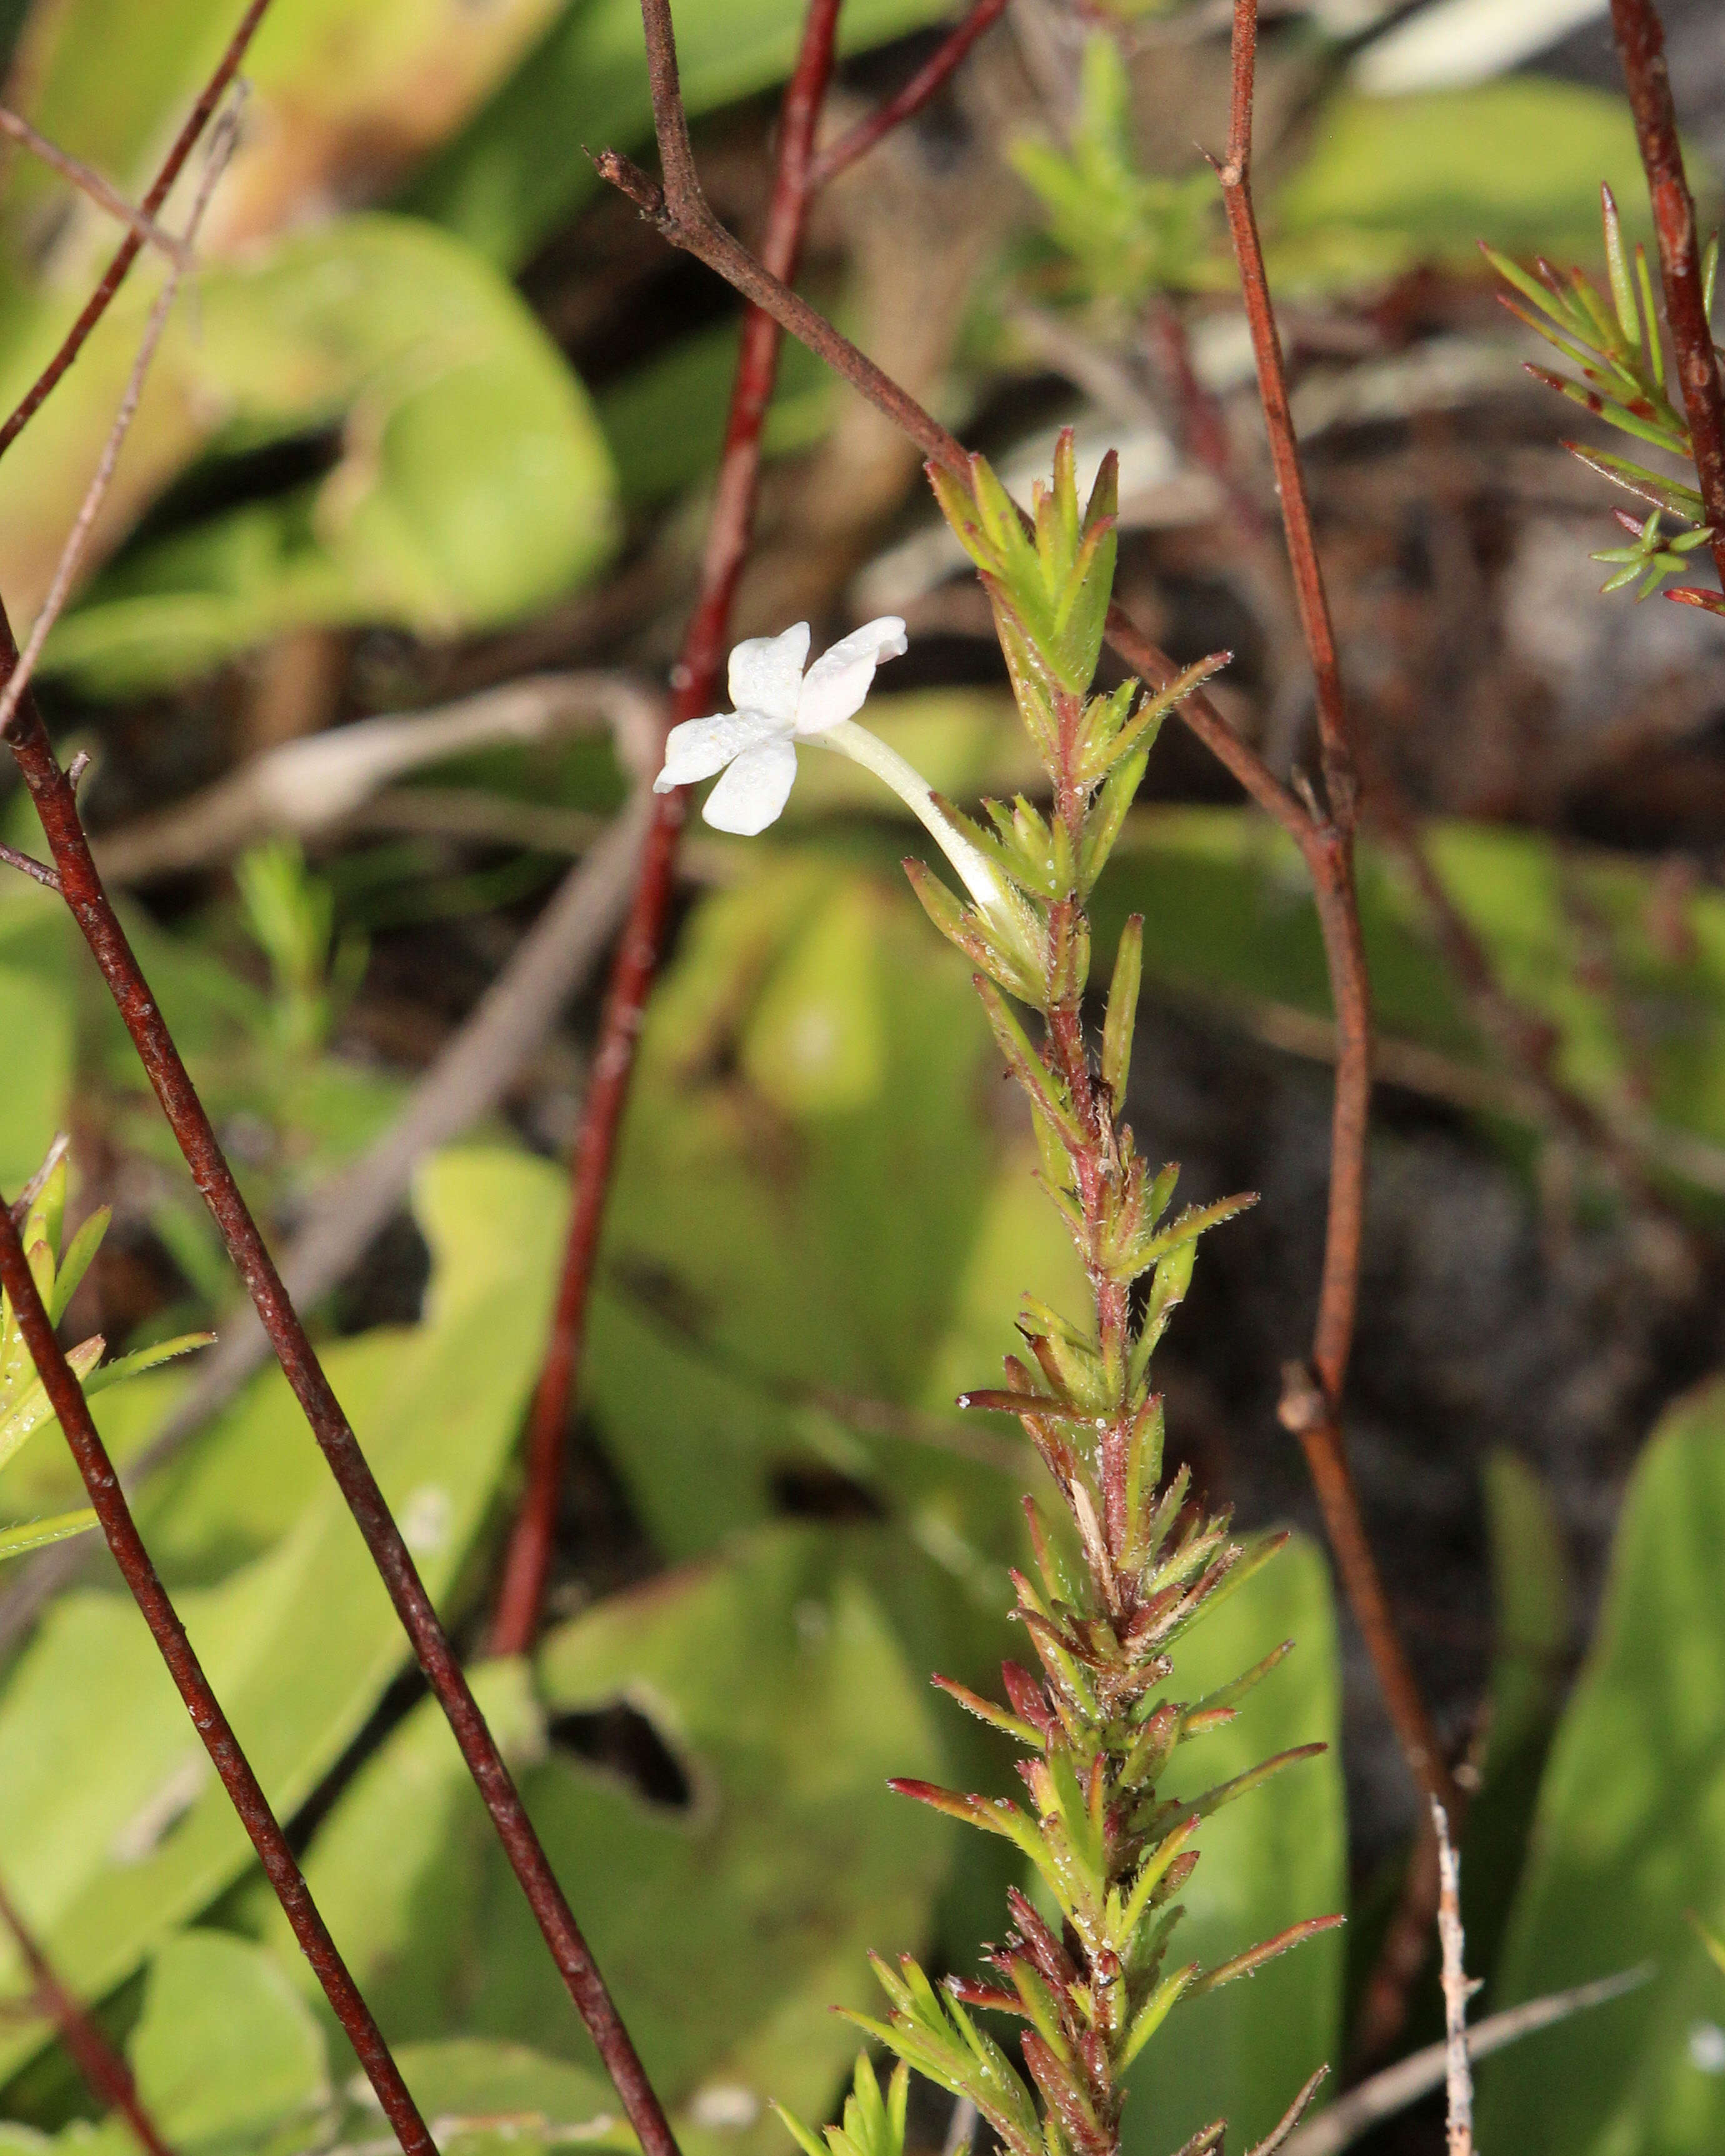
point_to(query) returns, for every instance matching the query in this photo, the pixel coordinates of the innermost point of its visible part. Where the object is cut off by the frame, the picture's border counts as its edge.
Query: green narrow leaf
(1028, 1067)
(1123, 1008)
(1623, 290)
(38, 1534)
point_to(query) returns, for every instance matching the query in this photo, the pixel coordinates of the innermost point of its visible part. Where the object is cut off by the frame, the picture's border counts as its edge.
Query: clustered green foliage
(1087, 1970)
(1619, 352)
(24, 1407)
(1130, 234)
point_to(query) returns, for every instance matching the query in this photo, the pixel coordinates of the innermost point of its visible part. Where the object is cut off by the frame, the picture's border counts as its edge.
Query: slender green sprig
(1650, 555)
(1613, 340)
(1090, 1974)
(1125, 233)
(24, 1408)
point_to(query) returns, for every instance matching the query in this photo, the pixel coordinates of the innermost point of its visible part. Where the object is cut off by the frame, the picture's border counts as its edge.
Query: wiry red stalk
(106, 2075)
(1640, 42)
(1312, 1409)
(694, 685)
(903, 104)
(81, 887)
(129, 248)
(243, 1789)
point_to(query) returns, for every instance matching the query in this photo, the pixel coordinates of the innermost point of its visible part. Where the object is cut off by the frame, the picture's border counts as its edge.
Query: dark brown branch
(81, 887)
(114, 1515)
(1640, 44)
(106, 2075)
(925, 85)
(695, 684)
(129, 248)
(1312, 1402)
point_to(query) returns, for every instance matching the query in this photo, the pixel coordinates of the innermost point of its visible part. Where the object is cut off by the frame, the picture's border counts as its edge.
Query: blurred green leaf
(1531, 1602)
(1630, 1836)
(394, 1866)
(506, 181)
(774, 1681)
(1631, 980)
(1130, 234)
(665, 420)
(36, 1023)
(474, 484)
(226, 2050)
(1278, 1856)
(344, 96)
(116, 1828)
(487, 2099)
(1390, 181)
(811, 1057)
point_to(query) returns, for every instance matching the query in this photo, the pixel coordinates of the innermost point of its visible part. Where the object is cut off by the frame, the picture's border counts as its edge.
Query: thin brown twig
(96, 493)
(1640, 44)
(72, 1411)
(28, 865)
(1311, 1401)
(1369, 2102)
(903, 104)
(528, 1562)
(90, 181)
(81, 888)
(679, 210)
(131, 247)
(1457, 1991)
(106, 2075)
(465, 1084)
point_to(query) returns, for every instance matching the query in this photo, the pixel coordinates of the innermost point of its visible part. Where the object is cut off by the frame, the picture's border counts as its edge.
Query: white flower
(777, 705)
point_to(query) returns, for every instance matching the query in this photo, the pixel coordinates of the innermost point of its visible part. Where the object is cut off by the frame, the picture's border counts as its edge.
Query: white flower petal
(750, 795)
(836, 686)
(699, 747)
(766, 672)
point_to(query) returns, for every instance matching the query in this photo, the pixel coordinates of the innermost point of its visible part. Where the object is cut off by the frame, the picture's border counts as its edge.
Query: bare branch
(114, 277)
(1457, 1990)
(72, 1411)
(90, 181)
(105, 2073)
(1353, 2115)
(316, 784)
(78, 539)
(1640, 42)
(925, 83)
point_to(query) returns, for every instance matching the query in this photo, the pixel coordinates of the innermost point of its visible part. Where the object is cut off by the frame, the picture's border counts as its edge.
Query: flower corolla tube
(778, 704)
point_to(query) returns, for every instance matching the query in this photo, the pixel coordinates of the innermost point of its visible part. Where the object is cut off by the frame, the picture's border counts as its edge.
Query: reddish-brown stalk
(55, 801)
(243, 1789)
(106, 2075)
(695, 683)
(1640, 42)
(905, 104)
(126, 253)
(90, 181)
(1312, 1411)
(679, 210)
(81, 888)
